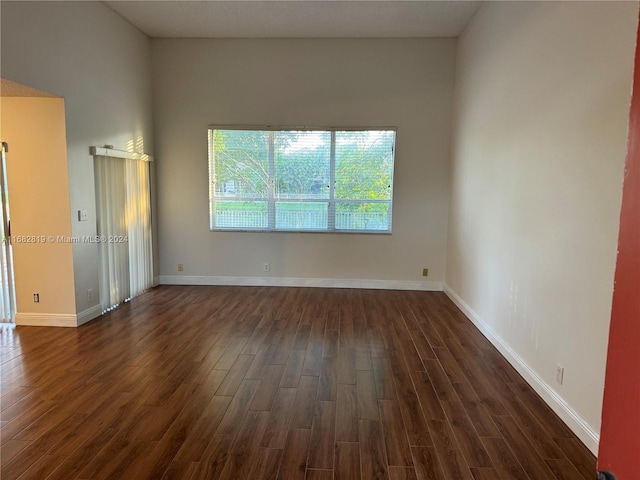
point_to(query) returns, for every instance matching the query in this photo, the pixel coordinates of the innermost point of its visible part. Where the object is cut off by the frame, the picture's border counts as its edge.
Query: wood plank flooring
(274, 383)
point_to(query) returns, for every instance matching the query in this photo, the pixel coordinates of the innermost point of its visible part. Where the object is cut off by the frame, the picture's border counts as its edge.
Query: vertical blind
(124, 228)
(7, 290)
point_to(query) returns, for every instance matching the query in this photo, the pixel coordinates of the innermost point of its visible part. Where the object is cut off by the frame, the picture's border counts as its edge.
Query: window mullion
(271, 208)
(331, 220)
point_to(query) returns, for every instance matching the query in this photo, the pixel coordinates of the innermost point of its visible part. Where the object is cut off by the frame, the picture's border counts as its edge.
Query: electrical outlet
(36, 298)
(89, 295)
(180, 267)
(425, 272)
(267, 267)
(559, 374)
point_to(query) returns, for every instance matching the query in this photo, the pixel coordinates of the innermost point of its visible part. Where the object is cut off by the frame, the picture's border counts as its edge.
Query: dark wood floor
(264, 383)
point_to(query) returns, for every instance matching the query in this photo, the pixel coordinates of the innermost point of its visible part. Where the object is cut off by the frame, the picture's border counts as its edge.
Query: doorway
(7, 286)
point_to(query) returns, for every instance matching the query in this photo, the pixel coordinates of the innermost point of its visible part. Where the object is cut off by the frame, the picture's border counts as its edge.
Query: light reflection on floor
(7, 335)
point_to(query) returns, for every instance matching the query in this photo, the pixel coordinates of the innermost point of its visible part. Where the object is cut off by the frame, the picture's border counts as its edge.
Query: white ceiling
(297, 18)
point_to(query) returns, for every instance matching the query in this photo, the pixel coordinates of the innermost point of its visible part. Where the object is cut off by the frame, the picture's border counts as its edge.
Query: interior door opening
(7, 286)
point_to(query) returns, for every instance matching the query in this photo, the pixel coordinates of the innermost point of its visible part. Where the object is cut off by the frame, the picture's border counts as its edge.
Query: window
(301, 180)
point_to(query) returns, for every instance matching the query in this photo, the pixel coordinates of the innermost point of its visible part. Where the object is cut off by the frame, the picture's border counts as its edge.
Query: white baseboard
(301, 282)
(574, 421)
(88, 315)
(46, 319)
(57, 319)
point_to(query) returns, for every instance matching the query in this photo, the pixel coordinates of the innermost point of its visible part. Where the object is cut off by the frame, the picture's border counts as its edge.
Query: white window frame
(271, 200)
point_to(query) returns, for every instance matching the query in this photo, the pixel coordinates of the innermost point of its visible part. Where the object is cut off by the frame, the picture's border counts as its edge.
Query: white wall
(100, 64)
(403, 83)
(542, 100)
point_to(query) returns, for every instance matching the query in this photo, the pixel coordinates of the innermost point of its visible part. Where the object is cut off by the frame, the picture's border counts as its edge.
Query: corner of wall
(574, 421)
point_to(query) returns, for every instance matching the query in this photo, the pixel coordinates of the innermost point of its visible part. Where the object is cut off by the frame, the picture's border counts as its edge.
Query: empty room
(318, 239)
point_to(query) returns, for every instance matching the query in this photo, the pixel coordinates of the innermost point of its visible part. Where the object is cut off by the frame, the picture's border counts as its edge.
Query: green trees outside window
(301, 180)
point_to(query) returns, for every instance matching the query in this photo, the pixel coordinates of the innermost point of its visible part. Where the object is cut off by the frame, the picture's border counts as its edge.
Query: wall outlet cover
(559, 374)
